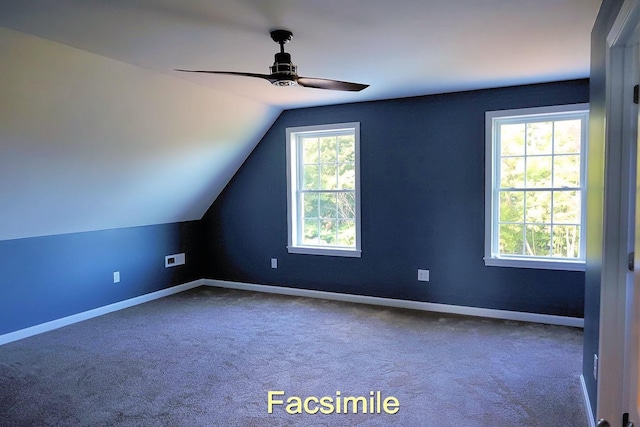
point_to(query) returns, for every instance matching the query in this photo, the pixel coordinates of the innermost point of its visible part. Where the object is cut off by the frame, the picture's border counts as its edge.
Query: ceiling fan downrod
(282, 65)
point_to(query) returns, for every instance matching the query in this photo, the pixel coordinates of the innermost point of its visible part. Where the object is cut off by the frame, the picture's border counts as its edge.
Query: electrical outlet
(595, 366)
(173, 260)
(274, 262)
(116, 277)
(423, 275)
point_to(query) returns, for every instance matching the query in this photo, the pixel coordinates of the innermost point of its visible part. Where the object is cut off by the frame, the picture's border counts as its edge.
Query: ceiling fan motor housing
(284, 69)
(283, 64)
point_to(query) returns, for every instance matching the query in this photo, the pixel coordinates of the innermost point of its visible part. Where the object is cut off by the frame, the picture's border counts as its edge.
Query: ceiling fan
(284, 73)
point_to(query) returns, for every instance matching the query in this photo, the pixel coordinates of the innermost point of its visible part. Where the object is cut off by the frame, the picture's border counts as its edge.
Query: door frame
(632, 296)
(618, 221)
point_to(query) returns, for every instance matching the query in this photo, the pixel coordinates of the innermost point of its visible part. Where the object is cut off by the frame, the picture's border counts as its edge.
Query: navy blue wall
(47, 278)
(422, 177)
(422, 194)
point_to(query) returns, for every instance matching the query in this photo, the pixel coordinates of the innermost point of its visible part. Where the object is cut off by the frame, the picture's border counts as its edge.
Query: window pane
(566, 207)
(538, 241)
(310, 232)
(539, 171)
(311, 177)
(328, 231)
(566, 171)
(511, 239)
(538, 206)
(567, 136)
(346, 232)
(310, 205)
(328, 149)
(566, 241)
(512, 172)
(347, 176)
(346, 149)
(310, 150)
(512, 206)
(512, 139)
(539, 139)
(346, 205)
(327, 205)
(328, 177)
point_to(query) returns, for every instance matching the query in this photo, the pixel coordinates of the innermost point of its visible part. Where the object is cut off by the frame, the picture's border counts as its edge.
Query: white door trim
(632, 311)
(616, 215)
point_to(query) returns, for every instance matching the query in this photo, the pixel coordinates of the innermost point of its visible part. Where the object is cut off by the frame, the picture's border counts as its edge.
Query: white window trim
(292, 194)
(490, 256)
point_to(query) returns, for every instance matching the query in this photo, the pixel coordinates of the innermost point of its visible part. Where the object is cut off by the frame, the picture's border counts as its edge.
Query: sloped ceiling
(97, 131)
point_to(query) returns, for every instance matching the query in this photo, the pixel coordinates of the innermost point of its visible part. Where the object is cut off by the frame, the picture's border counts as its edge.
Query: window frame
(293, 192)
(493, 157)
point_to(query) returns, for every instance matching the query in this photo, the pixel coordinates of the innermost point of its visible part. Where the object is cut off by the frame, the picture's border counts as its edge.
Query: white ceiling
(401, 48)
(98, 131)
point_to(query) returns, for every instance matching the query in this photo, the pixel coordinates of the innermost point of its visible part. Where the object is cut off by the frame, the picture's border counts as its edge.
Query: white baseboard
(587, 403)
(360, 299)
(59, 323)
(575, 322)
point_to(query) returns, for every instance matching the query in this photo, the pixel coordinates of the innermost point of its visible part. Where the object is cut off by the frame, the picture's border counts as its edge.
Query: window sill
(314, 250)
(536, 263)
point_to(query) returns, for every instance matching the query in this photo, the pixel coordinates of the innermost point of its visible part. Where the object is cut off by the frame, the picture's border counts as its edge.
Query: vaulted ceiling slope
(90, 143)
(98, 131)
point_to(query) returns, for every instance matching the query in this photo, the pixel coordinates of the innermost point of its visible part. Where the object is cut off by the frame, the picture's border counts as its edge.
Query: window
(535, 188)
(324, 190)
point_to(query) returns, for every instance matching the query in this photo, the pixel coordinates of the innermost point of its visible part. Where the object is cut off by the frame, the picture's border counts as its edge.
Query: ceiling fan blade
(232, 73)
(330, 84)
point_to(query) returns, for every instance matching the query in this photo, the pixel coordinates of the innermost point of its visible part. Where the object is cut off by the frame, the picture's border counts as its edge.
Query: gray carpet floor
(208, 357)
